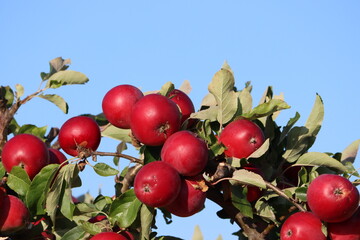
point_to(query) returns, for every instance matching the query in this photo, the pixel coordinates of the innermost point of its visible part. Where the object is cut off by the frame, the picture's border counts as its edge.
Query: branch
(131, 158)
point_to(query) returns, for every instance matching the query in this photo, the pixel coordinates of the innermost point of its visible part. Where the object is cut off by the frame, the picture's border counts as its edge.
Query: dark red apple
(346, 230)
(79, 132)
(332, 198)
(109, 236)
(190, 200)
(187, 153)
(241, 138)
(154, 118)
(97, 218)
(253, 193)
(117, 104)
(184, 103)
(157, 184)
(27, 151)
(14, 215)
(302, 226)
(56, 156)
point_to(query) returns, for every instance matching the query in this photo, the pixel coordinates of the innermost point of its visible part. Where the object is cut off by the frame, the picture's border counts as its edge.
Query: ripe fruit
(157, 184)
(332, 198)
(97, 218)
(154, 118)
(241, 138)
(108, 236)
(187, 153)
(190, 200)
(25, 150)
(14, 215)
(79, 132)
(302, 226)
(184, 103)
(117, 104)
(56, 157)
(346, 230)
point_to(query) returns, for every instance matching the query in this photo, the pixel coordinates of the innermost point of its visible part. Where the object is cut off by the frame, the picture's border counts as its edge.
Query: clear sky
(299, 47)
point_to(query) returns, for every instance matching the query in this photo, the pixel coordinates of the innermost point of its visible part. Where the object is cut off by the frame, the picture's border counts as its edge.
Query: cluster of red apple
(332, 200)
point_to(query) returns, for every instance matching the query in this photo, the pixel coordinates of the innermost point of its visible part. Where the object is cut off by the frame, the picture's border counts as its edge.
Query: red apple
(190, 200)
(27, 151)
(117, 104)
(346, 230)
(157, 184)
(154, 118)
(14, 215)
(184, 103)
(79, 132)
(97, 218)
(56, 157)
(302, 226)
(187, 153)
(332, 198)
(109, 236)
(241, 138)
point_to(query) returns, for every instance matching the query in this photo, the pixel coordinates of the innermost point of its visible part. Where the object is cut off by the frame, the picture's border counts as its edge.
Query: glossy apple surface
(187, 153)
(241, 138)
(154, 119)
(56, 156)
(118, 102)
(109, 236)
(332, 198)
(346, 230)
(27, 151)
(302, 226)
(79, 132)
(157, 184)
(184, 103)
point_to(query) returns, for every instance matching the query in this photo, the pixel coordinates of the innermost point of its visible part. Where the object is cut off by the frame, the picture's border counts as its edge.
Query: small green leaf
(319, 159)
(124, 209)
(166, 88)
(6, 95)
(66, 77)
(34, 130)
(91, 228)
(300, 193)
(210, 114)
(288, 126)
(19, 90)
(18, 180)
(349, 154)
(197, 234)
(147, 215)
(265, 109)
(57, 100)
(244, 176)
(38, 189)
(222, 87)
(245, 100)
(265, 210)
(105, 170)
(239, 200)
(76, 233)
(116, 133)
(2, 170)
(119, 149)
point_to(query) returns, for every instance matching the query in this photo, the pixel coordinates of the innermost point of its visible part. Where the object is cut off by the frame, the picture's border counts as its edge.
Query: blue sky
(299, 47)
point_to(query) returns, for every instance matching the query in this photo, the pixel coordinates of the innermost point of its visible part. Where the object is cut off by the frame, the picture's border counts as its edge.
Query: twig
(131, 158)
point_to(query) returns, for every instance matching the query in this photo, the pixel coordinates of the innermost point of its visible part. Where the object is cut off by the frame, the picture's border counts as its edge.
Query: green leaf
(350, 152)
(76, 233)
(266, 109)
(116, 133)
(147, 215)
(300, 193)
(119, 149)
(197, 234)
(105, 170)
(91, 228)
(185, 87)
(244, 176)
(34, 130)
(210, 114)
(57, 100)
(265, 210)
(288, 126)
(261, 150)
(150, 153)
(245, 100)
(35, 197)
(124, 209)
(222, 87)
(19, 90)
(18, 180)
(319, 159)
(239, 200)
(66, 77)
(6, 96)
(166, 88)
